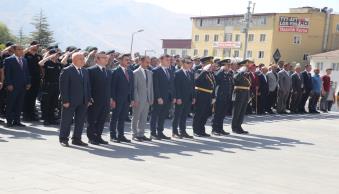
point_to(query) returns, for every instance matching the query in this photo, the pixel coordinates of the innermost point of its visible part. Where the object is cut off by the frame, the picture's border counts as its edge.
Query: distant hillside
(105, 23)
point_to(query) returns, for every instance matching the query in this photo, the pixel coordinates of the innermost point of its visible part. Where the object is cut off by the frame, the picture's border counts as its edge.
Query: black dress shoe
(222, 132)
(185, 135)
(163, 136)
(156, 137)
(124, 139)
(206, 135)
(115, 140)
(94, 142)
(216, 133)
(9, 124)
(64, 143)
(79, 143)
(144, 138)
(18, 124)
(139, 139)
(176, 135)
(197, 135)
(101, 141)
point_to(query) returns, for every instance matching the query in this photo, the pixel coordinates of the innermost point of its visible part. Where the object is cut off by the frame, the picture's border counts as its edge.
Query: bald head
(78, 59)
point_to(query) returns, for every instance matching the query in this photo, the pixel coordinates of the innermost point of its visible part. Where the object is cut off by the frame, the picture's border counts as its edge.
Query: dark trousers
(119, 115)
(203, 110)
(263, 103)
(49, 101)
(30, 99)
(180, 115)
(252, 105)
(159, 114)
(303, 100)
(15, 100)
(96, 117)
(239, 109)
(221, 108)
(272, 99)
(312, 104)
(3, 94)
(67, 114)
(295, 101)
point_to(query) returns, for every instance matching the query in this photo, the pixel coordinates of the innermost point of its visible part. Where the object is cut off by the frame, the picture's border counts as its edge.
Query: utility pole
(247, 21)
(141, 30)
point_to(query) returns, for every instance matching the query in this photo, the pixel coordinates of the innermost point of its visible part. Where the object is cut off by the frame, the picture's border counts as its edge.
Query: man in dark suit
(100, 79)
(17, 81)
(122, 97)
(306, 75)
(263, 100)
(297, 89)
(75, 92)
(163, 84)
(185, 97)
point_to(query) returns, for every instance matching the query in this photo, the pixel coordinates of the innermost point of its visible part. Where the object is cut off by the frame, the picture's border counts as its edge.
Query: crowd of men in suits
(79, 86)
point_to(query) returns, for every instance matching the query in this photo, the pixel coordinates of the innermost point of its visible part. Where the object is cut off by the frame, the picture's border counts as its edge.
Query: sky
(222, 7)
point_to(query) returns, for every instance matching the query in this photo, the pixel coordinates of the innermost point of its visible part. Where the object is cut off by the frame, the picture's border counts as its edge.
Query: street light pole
(247, 20)
(141, 30)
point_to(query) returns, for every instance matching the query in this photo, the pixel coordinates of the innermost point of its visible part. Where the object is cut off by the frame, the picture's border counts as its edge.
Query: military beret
(110, 52)
(9, 44)
(216, 60)
(34, 42)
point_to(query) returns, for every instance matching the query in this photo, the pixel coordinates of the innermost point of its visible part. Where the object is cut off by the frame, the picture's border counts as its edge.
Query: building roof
(230, 16)
(327, 55)
(176, 43)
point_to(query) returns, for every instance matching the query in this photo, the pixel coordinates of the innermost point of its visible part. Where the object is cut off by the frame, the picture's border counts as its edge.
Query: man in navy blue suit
(100, 79)
(75, 92)
(121, 98)
(17, 81)
(163, 84)
(185, 97)
(263, 100)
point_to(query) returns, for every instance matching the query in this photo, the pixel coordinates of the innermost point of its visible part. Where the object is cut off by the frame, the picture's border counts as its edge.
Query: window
(205, 53)
(200, 22)
(320, 66)
(228, 37)
(215, 52)
(216, 37)
(165, 51)
(207, 37)
(261, 54)
(306, 57)
(262, 37)
(218, 21)
(184, 53)
(237, 37)
(196, 38)
(226, 52)
(173, 52)
(337, 28)
(236, 53)
(296, 39)
(249, 54)
(250, 37)
(195, 52)
(335, 66)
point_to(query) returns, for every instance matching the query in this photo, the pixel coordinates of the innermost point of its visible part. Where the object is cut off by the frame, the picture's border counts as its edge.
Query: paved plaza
(282, 154)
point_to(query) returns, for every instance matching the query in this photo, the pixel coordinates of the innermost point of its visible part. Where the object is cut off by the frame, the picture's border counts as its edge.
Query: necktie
(126, 75)
(20, 62)
(146, 78)
(104, 70)
(80, 72)
(167, 74)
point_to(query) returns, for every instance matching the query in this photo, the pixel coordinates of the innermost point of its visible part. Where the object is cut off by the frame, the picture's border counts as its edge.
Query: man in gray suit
(143, 98)
(272, 79)
(284, 88)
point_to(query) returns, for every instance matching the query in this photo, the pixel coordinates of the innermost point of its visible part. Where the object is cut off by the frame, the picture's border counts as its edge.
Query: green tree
(42, 33)
(22, 39)
(5, 34)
